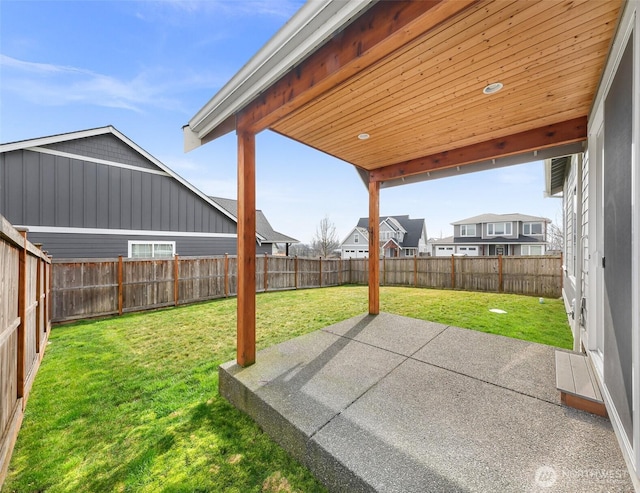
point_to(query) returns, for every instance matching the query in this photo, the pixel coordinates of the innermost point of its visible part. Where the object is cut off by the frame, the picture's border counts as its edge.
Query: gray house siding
(107, 147)
(47, 190)
(72, 245)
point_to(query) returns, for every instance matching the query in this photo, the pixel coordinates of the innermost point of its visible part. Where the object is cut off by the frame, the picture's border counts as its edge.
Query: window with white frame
(467, 230)
(152, 249)
(532, 229)
(499, 229)
(532, 250)
(356, 238)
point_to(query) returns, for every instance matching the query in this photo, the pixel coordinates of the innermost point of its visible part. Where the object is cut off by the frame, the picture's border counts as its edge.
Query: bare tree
(301, 250)
(555, 237)
(325, 241)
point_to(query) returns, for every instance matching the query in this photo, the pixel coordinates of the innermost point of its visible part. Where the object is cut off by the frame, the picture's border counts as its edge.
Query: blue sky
(147, 67)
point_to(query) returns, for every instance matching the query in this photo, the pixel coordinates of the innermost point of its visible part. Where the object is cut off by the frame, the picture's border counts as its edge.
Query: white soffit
(309, 28)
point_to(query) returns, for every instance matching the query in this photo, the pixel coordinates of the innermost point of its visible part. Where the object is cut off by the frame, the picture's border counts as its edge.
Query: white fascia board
(54, 139)
(123, 232)
(311, 26)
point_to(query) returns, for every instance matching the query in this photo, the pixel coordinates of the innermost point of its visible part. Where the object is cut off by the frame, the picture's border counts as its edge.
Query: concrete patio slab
(503, 361)
(367, 412)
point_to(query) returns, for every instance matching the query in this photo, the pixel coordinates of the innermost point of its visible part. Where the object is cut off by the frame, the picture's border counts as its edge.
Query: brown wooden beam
(246, 324)
(374, 247)
(383, 28)
(540, 138)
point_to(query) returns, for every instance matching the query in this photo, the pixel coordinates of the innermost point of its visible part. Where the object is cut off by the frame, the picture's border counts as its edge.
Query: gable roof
(110, 129)
(491, 218)
(263, 226)
(413, 228)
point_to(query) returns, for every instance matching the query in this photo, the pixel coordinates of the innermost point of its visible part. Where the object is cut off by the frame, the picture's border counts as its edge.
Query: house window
(532, 250)
(468, 230)
(532, 228)
(152, 249)
(356, 239)
(499, 229)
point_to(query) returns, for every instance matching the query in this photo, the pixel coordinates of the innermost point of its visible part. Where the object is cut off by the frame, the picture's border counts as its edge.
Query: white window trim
(153, 245)
(528, 250)
(505, 229)
(531, 224)
(466, 226)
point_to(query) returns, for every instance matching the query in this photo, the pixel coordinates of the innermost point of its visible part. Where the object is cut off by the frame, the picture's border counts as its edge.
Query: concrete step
(577, 383)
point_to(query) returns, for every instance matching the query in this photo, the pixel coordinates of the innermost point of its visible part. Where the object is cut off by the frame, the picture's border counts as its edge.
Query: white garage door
(444, 251)
(471, 251)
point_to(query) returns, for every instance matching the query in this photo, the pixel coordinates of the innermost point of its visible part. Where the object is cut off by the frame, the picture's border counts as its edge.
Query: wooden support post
(453, 272)
(226, 275)
(246, 328)
(120, 269)
(176, 280)
(320, 267)
(415, 271)
(22, 313)
(374, 247)
(266, 272)
(500, 280)
(295, 273)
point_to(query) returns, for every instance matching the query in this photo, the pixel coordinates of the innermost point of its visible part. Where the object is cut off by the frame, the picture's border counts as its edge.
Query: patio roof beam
(374, 247)
(377, 33)
(246, 322)
(558, 134)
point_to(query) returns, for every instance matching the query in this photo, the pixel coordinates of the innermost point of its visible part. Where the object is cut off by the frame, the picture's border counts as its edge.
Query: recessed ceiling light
(364, 136)
(493, 88)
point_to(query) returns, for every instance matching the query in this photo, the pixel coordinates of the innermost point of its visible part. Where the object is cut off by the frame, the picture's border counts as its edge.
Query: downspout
(577, 308)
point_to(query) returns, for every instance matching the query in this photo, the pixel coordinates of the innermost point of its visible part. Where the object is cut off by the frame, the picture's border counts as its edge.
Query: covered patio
(394, 404)
(407, 91)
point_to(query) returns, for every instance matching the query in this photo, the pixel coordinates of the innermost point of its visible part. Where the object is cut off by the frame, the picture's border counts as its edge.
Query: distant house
(399, 237)
(263, 227)
(95, 193)
(495, 234)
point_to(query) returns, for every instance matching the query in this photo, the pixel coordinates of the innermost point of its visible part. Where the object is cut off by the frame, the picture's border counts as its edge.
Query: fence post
(226, 275)
(266, 272)
(500, 279)
(39, 307)
(453, 272)
(22, 313)
(340, 271)
(415, 271)
(176, 280)
(295, 272)
(320, 271)
(350, 274)
(120, 268)
(384, 270)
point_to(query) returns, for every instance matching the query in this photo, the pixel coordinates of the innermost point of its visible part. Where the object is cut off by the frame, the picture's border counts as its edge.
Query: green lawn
(131, 403)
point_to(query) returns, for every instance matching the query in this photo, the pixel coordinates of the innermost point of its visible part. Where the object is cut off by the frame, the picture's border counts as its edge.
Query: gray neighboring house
(263, 227)
(95, 193)
(400, 236)
(495, 234)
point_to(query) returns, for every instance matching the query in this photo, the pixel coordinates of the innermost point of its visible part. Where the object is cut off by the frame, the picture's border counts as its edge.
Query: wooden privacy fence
(25, 322)
(84, 288)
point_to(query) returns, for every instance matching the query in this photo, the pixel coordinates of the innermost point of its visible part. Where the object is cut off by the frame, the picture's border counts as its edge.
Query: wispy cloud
(59, 85)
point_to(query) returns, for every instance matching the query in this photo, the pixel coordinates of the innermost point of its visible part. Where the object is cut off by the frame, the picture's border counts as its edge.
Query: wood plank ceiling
(426, 97)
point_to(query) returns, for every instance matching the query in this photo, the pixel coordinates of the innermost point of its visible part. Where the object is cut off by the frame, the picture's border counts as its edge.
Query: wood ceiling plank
(540, 138)
(539, 45)
(378, 32)
(461, 96)
(516, 95)
(409, 65)
(480, 126)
